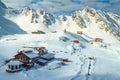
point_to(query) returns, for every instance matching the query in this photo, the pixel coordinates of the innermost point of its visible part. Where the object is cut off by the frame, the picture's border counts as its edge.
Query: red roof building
(75, 41)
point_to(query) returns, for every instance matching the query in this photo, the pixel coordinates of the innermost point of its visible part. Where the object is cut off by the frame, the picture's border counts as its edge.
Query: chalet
(27, 56)
(30, 54)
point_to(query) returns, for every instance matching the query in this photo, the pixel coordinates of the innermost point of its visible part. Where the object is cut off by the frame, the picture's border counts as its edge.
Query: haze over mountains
(60, 7)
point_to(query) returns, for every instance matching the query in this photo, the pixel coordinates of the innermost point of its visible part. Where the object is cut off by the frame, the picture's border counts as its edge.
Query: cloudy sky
(66, 6)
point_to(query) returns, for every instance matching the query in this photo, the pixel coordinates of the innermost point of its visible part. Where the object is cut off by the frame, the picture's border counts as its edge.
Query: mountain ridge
(94, 23)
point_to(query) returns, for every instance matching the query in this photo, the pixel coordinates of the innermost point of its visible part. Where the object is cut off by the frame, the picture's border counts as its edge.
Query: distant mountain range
(94, 23)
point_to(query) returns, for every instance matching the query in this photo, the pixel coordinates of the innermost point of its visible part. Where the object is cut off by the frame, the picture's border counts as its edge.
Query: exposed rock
(49, 19)
(63, 18)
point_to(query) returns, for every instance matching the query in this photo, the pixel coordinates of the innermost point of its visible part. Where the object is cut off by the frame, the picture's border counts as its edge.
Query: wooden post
(89, 67)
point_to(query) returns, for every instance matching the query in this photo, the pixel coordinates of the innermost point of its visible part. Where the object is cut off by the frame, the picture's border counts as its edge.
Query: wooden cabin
(79, 32)
(30, 54)
(38, 32)
(96, 40)
(26, 58)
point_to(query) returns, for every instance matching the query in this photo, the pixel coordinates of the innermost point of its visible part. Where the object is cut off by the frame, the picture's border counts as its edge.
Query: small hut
(75, 41)
(96, 40)
(38, 32)
(79, 32)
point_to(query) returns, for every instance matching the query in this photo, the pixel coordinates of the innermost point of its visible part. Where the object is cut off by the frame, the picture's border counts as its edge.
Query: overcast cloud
(66, 6)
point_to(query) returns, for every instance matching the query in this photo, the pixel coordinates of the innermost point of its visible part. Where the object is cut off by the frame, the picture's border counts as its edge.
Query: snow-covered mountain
(98, 22)
(32, 20)
(7, 26)
(94, 23)
(96, 61)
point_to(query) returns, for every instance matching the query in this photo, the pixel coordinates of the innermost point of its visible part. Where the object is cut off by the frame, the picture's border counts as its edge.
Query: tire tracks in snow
(81, 68)
(90, 68)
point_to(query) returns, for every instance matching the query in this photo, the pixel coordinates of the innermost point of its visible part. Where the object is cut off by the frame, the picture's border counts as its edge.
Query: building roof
(47, 56)
(27, 49)
(42, 60)
(31, 54)
(15, 62)
(75, 41)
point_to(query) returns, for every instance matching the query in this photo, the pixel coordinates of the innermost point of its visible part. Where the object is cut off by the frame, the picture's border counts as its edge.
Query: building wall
(21, 57)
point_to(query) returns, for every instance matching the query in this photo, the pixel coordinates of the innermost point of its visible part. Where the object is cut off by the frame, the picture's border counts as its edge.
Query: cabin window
(16, 67)
(19, 66)
(9, 66)
(12, 67)
(25, 59)
(22, 58)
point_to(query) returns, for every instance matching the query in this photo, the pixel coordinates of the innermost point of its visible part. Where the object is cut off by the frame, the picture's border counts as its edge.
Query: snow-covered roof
(48, 55)
(15, 63)
(42, 60)
(31, 54)
(26, 49)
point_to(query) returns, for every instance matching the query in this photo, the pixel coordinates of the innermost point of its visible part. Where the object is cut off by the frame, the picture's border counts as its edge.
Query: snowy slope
(96, 23)
(105, 66)
(7, 27)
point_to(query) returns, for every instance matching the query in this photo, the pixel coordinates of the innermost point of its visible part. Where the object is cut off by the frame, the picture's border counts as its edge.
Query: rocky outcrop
(49, 19)
(79, 20)
(36, 15)
(63, 18)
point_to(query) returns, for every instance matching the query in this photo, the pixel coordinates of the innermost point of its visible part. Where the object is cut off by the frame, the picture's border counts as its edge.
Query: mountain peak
(96, 22)
(39, 15)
